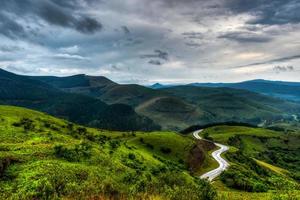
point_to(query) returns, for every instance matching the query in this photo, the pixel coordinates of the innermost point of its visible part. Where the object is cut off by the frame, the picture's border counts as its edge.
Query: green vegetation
(227, 104)
(26, 92)
(262, 160)
(42, 157)
(179, 107)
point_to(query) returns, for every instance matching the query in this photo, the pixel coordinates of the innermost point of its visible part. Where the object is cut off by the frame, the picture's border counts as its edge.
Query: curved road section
(223, 164)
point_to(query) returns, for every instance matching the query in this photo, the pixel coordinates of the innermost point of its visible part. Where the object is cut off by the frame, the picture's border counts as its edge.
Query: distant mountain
(156, 86)
(225, 104)
(32, 93)
(178, 107)
(160, 86)
(278, 89)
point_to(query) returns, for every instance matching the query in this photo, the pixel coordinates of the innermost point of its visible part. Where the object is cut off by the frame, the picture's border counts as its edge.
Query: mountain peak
(156, 86)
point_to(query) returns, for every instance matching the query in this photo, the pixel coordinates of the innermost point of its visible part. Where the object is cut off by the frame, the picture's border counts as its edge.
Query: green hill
(226, 104)
(23, 91)
(279, 89)
(261, 160)
(178, 107)
(42, 157)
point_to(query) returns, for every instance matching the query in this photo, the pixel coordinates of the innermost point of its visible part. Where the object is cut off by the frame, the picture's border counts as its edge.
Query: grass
(268, 159)
(42, 157)
(223, 133)
(273, 168)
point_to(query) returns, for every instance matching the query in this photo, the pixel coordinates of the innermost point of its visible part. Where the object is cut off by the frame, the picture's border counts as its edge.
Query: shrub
(114, 144)
(131, 156)
(165, 150)
(70, 126)
(240, 178)
(150, 146)
(142, 140)
(82, 130)
(80, 151)
(26, 123)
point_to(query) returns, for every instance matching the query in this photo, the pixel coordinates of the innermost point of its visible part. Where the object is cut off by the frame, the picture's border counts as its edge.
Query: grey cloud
(10, 28)
(7, 48)
(49, 11)
(157, 54)
(279, 69)
(125, 29)
(65, 17)
(267, 11)
(155, 62)
(287, 58)
(18, 69)
(193, 35)
(246, 36)
(192, 44)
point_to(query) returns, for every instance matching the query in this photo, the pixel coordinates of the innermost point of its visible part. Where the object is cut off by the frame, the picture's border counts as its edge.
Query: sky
(144, 42)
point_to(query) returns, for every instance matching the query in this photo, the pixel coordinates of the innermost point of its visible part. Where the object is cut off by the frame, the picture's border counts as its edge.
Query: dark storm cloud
(288, 58)
(157, 54)
(243, 36)
(60, 14)
(10, 28)
(267, 12)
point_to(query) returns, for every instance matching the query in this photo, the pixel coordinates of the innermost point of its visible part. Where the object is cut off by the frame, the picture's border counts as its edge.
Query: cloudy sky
(143, 41)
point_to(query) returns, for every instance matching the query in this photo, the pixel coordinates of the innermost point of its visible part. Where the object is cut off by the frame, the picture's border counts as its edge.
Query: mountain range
(279, 89)
(178, 107)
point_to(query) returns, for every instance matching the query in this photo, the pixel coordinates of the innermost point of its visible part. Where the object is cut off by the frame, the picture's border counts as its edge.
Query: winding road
(223, 164)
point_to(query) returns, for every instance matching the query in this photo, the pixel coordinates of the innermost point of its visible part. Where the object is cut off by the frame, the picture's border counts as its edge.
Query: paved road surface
(223, 164)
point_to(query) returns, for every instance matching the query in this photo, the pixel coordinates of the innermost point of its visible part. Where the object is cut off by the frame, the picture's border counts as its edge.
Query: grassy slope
(255, 143)
(172, 113)
(44, 157)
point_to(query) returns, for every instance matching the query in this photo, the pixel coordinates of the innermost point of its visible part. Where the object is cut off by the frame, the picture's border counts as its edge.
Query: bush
(80, 151)
(26, 123)
(131, 156)
(114, 144)
(165, 150)
(150, 146)
(82, 130)
(238, 177)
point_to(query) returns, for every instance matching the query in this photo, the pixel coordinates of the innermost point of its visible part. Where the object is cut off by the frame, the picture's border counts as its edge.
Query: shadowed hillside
(23, 91)
(179, 107)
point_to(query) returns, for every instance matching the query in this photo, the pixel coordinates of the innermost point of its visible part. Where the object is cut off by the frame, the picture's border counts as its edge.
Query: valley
(113, 164)
(106, 140)
(178, 107)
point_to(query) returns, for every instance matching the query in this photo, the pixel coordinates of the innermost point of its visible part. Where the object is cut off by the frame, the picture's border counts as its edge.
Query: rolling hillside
(26, 92)
(226, 104)
(178, 107)
(279, 89)
(42, 157)
(263, 163)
